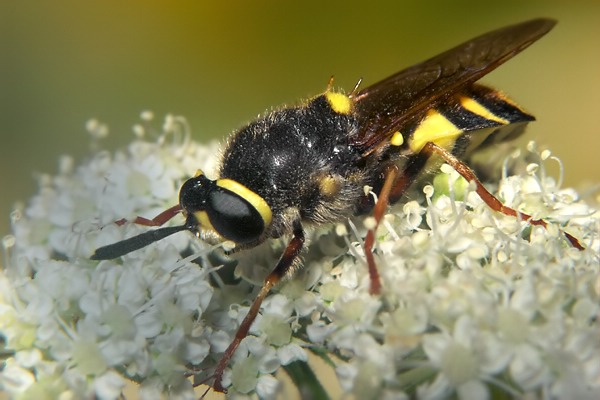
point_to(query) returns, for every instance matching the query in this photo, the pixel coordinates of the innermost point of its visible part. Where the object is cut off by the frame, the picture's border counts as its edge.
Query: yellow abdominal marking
(476, 107)
(434, 128)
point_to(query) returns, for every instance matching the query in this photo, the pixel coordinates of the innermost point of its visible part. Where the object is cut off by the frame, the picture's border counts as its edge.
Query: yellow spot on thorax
(434, 128)
(397, 139)
(339, 102)
(329, 186)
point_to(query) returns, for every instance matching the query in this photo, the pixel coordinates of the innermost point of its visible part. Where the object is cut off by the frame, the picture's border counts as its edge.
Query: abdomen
(473, 118)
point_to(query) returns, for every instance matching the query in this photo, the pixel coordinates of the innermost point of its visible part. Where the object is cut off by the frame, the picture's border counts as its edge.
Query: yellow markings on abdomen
(472, 105)
(434, 128)
(339, 102)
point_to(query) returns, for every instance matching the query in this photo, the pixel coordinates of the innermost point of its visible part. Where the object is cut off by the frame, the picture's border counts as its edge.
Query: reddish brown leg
(431, 148)
(396, 183)
(391, 173)
(281, 270)
(159, 220)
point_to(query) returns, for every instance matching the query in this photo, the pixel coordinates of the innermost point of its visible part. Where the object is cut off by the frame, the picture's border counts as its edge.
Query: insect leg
(431, 148)
(391, 173)
(283, 268)
(395, 184)
(159, 220)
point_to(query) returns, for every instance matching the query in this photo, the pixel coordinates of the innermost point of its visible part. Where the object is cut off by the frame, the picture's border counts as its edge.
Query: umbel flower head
(475, 304)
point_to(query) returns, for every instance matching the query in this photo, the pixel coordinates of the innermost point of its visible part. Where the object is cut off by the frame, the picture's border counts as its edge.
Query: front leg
(283, 268)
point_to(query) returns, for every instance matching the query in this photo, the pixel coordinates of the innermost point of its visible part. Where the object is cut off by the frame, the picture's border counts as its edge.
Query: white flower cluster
(473, 303)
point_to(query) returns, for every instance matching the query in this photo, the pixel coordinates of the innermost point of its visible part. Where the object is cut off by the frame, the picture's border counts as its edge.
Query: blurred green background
(219, 65)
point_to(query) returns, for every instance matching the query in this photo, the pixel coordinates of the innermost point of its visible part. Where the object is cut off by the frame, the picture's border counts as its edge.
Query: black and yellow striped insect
(309, 164)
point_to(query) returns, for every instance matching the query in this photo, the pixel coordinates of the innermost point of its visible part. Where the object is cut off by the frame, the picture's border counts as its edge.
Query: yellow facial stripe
(257, 202)
(203, 220)
(472, 105)
(397, 139)
(340, 103)
(434, 128)
(198, 173)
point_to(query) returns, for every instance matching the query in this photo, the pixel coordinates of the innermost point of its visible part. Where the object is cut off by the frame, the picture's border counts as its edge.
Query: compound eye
(233, 217)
